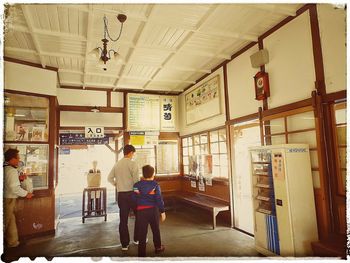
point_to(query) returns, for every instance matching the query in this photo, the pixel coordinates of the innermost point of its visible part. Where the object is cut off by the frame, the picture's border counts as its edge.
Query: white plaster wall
(206, 124)
(332, 24)
(291, 66)
(82, 97)
(79, 119)
(240, 80)
(29, 79)
(117, 99)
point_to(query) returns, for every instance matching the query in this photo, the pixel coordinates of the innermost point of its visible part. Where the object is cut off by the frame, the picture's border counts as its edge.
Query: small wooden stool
(94, 202)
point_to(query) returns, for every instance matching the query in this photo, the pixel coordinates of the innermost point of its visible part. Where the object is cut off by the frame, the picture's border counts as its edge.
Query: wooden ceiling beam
(23, 29)
(21, 50)
(88, 37)
(137, 18)
(186, 38)
(273, 8)
(142, 32)
(88, 84)
(28, 19)
(49, 54)
(125, 77)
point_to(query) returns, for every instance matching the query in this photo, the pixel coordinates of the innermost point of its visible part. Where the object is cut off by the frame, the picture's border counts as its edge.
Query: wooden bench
(211, 204)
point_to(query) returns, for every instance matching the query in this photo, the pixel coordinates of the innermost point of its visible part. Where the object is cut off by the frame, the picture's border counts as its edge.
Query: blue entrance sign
(79, 139)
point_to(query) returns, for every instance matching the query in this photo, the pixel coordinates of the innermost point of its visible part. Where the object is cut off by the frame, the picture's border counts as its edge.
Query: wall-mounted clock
(261, 83)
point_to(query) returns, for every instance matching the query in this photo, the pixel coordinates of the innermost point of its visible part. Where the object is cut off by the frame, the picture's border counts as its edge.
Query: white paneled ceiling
(165, 47)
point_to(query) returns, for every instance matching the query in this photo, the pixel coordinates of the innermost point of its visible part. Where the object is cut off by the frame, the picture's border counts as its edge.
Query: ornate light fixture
(104, 53)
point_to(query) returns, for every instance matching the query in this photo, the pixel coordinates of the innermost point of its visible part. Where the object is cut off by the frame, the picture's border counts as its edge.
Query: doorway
(74, 162)
(244, 135)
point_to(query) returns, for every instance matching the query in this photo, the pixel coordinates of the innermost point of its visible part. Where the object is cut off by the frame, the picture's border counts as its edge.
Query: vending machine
(283, 200)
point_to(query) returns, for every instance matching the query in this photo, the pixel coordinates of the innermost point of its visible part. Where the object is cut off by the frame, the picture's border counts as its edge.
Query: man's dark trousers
(126, 203)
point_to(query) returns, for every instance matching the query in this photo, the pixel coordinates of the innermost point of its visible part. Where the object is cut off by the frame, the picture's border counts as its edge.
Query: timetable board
(143, 112)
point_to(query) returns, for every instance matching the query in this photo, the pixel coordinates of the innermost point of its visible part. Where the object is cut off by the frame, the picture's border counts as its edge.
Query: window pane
(343, 177)
(214, 147)
(305, 120)
(224, 171)
(341, 143)
(204, 148)
(276, 125)
(223, 148)
(304, 137)
(190, 141)
(278, 139)
(185, 160)
(196, 139)
(316, 179)
(196, 150)
(185, 151)
(216, 159)
(222, 135)
(190, 150)
(341, 135)
(214, 136)
(340, 116)
(35, 162)
(342, 157)
(185, 169)
(204, 138)
(314, 159)
(184, 142)
(26, 118)
(223, 159)
(216, 171)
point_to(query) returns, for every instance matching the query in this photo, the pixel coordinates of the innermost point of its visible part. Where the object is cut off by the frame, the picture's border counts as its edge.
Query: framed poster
(204, 101)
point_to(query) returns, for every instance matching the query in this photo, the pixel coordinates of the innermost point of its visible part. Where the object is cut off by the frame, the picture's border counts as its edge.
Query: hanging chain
(106, 30)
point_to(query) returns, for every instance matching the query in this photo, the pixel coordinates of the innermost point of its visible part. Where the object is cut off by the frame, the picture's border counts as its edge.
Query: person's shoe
(137, 242)
(125, 248)
(159, 249)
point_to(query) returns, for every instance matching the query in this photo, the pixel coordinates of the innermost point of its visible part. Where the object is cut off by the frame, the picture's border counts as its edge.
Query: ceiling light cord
(106, 32)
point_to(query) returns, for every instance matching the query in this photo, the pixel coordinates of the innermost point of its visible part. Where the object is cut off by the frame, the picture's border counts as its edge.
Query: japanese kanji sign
(168, 113)
(94, 132)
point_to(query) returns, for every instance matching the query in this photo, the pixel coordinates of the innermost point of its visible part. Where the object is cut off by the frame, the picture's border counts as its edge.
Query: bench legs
(215, 213)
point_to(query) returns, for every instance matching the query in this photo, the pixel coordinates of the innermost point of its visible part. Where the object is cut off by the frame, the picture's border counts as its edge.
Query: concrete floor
(185, 233)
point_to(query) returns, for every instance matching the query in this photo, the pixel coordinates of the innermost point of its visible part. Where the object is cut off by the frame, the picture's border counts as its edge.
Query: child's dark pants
(148, 216)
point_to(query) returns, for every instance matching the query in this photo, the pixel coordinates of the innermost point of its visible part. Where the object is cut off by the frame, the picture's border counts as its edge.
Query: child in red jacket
(149, 201)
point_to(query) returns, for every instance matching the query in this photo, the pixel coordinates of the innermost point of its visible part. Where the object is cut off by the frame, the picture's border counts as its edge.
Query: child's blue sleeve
(159, 199)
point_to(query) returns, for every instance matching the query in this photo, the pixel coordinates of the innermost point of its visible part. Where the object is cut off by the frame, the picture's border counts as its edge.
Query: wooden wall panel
(342, 222)
(169, 185)
(35, 216)
(321, 213)
(220, 191)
